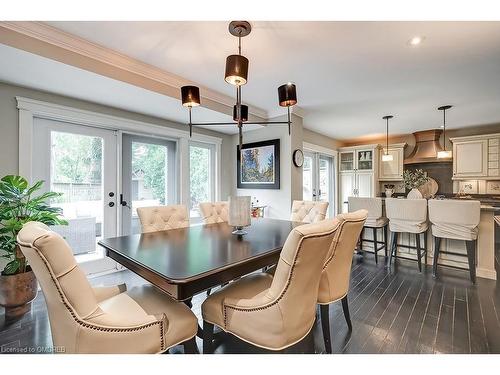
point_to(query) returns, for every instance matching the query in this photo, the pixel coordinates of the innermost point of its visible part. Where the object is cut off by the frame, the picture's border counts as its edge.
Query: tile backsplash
(492, 187)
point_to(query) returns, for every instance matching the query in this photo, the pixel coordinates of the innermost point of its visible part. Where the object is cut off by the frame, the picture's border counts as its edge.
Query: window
(201, 176)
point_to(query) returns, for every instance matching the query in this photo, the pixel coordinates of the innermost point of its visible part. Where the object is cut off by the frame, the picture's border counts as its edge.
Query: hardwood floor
(396, 311)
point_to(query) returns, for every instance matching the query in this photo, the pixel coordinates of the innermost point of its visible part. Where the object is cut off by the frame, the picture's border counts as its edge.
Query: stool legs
(394, 245)
(385, 240)
(471, 255)
(437, 246)
(419, 253)
(375, 244)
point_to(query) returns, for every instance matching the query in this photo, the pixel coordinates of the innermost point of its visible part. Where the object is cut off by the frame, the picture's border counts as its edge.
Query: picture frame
(258, 165)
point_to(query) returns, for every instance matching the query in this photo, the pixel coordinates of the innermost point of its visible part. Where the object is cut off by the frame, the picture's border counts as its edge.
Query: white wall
(279, 201)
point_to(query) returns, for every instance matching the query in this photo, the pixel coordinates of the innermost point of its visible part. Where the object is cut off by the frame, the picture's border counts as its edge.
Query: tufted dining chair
(335, 276)
(456, 220)
(86, 319)
(274, 310)
(214, 212)
(375, 221)
(408, 216)
(157, 218)
(308, 211)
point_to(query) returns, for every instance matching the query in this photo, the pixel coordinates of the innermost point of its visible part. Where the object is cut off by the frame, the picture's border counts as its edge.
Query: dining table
(186, 261)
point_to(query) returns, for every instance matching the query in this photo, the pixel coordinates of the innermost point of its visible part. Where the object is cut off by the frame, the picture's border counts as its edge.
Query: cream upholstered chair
(458, 220)
(157, 218)
(407, 216)
(84, 319)
(308, 211)
(274, 310)
(214, 212)
(335, 276)
(375, 221)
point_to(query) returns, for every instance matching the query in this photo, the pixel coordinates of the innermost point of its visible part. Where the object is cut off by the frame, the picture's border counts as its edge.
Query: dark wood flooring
(396, 311)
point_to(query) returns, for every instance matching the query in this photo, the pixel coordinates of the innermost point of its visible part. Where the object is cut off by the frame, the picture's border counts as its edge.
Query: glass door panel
(326, 179)
(365, 160)
(80, 163)
(318, 179)
(307, 177)
(201, 177)
(148, 175)
(347, 161)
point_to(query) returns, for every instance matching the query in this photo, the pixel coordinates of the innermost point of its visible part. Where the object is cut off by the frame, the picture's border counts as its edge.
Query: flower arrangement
(414, 179)
(389, 186)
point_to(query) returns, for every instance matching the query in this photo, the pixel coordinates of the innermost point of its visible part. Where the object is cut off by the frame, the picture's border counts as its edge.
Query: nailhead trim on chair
(94, 326)
(284, 289)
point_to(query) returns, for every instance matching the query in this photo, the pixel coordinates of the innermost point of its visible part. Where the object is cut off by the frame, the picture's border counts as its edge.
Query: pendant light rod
(387, 118)
(444, 108)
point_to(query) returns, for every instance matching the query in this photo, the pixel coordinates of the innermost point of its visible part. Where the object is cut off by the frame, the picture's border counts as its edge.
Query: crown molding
(35, 36)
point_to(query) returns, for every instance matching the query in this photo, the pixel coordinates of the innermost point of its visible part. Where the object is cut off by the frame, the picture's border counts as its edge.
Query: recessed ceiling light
(416, 40)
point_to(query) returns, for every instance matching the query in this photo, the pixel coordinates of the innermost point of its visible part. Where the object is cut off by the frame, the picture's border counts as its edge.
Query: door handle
(122, 202)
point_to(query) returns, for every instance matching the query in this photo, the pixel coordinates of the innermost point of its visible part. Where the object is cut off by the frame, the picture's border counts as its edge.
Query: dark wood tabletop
(184, 262)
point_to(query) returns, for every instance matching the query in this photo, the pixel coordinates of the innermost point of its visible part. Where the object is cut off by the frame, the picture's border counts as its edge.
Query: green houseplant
(413, 180)
(19, 204)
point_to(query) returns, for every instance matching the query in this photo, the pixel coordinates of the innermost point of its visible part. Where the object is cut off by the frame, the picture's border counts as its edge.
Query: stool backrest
(374, 206)
(455, 212)
(411, 210)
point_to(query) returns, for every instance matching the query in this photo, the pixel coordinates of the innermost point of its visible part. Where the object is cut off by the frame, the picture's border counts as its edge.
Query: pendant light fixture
(444, 154)
(236, 74)
(386, 156)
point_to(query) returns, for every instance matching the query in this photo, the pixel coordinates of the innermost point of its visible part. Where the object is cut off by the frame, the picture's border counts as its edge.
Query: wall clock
(298, 158)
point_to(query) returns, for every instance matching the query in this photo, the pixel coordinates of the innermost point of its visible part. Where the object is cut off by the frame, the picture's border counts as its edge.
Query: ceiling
(348, 74)
(26, 69)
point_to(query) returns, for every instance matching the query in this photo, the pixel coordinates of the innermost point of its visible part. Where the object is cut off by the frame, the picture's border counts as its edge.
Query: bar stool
(407, 216)
(375, 221)
(457, 220)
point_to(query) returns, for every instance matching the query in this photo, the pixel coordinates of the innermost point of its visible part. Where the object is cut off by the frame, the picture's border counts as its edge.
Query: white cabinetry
(357, 172)
(392, 170)
(476, 157)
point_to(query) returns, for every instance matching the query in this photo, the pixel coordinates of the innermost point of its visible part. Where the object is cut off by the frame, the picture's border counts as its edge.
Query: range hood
(426, 148)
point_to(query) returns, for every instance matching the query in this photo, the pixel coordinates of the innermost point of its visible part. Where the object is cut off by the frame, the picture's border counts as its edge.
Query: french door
(148, 177)
(80, 162)
(318, 179)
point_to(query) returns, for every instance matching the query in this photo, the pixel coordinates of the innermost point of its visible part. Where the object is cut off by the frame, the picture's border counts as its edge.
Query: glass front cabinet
(357, 173)
(353, 160)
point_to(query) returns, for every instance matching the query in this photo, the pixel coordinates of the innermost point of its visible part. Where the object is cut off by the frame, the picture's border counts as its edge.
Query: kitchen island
(485, 265)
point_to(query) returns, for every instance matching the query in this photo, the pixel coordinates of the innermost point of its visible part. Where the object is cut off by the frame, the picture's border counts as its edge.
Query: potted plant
(18, 205)
(413, 180)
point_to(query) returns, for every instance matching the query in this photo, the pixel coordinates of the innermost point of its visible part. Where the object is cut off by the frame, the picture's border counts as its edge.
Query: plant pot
(414, 194)
(16, 293)
(389, 192)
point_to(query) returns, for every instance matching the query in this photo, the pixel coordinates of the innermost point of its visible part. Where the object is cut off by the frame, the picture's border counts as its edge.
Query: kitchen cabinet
(476, 157)
(357, 172)
(392, 170)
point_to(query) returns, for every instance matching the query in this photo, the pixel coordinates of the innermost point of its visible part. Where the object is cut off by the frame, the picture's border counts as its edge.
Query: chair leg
(190, 346)
(375, 246)
(208, 337)
(426, 248)
(345, 307)
(325, 325)
(385, 240)
(419, 252)
(471, 255)
(394, 246)
(437, 245)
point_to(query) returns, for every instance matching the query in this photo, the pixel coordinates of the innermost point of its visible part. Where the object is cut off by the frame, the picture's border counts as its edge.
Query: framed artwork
(259, 165)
